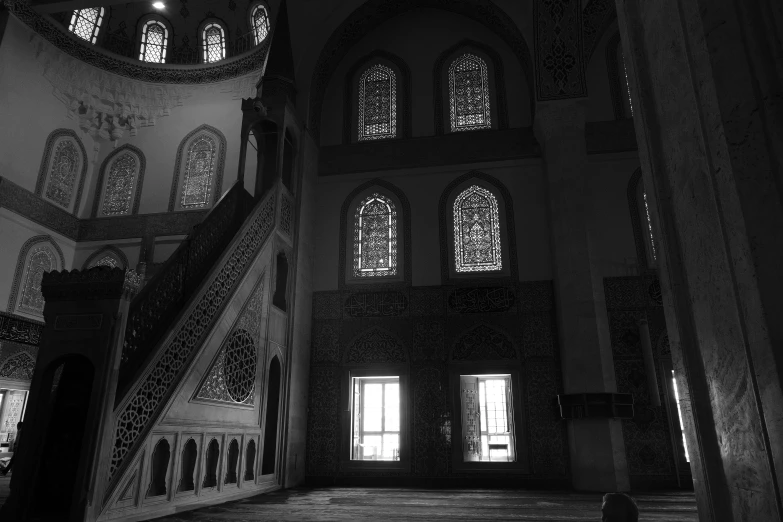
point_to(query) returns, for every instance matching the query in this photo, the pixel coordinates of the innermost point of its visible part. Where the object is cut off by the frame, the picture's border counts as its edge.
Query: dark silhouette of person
(619, 507)
(5, 470)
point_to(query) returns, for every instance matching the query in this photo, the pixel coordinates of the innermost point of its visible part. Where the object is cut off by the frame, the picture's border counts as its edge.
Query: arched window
(110, 256)
(198, 175)
(154, 39)
(85, 23)
(213, 39)
(469, 93)
(119, 184)
(377, 103)
(63, 169)
(476, 231)
(38, 255)
(259, 21)
(375, 237)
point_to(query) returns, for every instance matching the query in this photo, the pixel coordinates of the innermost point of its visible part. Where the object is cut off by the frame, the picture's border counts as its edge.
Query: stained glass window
(154, 38)
(199, 171)
(85, 23)
(469, 93)
(120, 183)
(40, 259)
(214, 43)
(375, 237)
(649, 226)
(627, 87)
(260, 21)
(377, 103)
(476, 231)
(62, 173)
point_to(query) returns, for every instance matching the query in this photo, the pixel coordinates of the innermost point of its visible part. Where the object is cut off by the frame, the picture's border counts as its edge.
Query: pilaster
(597, 450)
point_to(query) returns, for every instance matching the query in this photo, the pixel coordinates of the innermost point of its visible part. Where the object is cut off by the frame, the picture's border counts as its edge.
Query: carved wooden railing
(159, 366)
(153, 310)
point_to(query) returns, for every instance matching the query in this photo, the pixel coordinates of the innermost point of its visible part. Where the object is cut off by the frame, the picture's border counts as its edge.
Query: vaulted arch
(371, 14)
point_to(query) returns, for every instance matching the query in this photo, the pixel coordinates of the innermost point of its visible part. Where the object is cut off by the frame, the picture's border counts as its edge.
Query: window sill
(357, 465)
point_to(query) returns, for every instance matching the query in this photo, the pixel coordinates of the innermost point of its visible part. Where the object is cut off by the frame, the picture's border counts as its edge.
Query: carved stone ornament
(20, 330)
(107, 105)
(374, 346)
(483, 343)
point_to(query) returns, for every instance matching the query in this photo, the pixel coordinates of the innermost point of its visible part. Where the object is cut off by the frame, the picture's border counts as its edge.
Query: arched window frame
(206, 26)
(259, 32)
(351, 94)
(644, 230)
(144, 25)
(181, 165)
(508, 270)
(111, 251)
(22, 273)
(388, 127)
(348, 225)
(618, 79)
(42, 185)
(86, 23)
(496, 84)
(134, 198)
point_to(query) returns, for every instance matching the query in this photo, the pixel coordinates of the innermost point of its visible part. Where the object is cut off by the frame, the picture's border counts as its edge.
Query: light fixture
(158, 5)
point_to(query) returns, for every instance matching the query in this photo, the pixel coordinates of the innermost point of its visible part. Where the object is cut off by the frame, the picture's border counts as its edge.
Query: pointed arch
(39, 254)
(372, 13)
(118, 191)
(505, 266)
(259, 21)
(201, 166)
(351, 97)
(111, 251)
(63, 170)
(396, 231)
(86, 23)
(155, 34)
(496, 109)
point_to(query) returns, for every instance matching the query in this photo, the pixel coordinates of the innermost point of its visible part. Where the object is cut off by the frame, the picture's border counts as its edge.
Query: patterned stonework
(560, 69)
(232, 376)
(375, 346)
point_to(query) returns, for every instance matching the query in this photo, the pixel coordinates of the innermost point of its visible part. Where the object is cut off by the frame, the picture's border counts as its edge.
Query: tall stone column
(597, 450)
(707, 87)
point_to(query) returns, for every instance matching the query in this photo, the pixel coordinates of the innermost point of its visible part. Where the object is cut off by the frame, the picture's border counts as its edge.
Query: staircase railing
(153, 310)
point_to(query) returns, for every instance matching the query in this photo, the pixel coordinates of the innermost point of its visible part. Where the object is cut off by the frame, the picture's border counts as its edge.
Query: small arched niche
(233, 462)
(270, 425)
(160, 466)
(213, 455)
(189, 457)
(250, 461)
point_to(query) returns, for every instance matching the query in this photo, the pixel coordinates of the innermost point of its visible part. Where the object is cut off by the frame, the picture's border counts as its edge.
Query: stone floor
(382, 504)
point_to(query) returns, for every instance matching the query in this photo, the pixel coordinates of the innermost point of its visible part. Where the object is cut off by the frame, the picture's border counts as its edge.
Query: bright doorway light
(158, 5)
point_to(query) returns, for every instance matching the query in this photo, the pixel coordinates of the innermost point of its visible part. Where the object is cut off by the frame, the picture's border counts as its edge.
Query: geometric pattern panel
(18, 366)
(120, 185)
(560, 70)
(199, 170)
(148, 393)
(61, 183)
(232, 376)
(373, 328)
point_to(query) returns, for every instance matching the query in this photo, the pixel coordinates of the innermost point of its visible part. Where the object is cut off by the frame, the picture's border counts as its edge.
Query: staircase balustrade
(155, 307)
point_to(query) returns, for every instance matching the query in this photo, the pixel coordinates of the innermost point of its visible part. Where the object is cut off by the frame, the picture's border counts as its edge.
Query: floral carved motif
(375, 346)
(483, 343)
